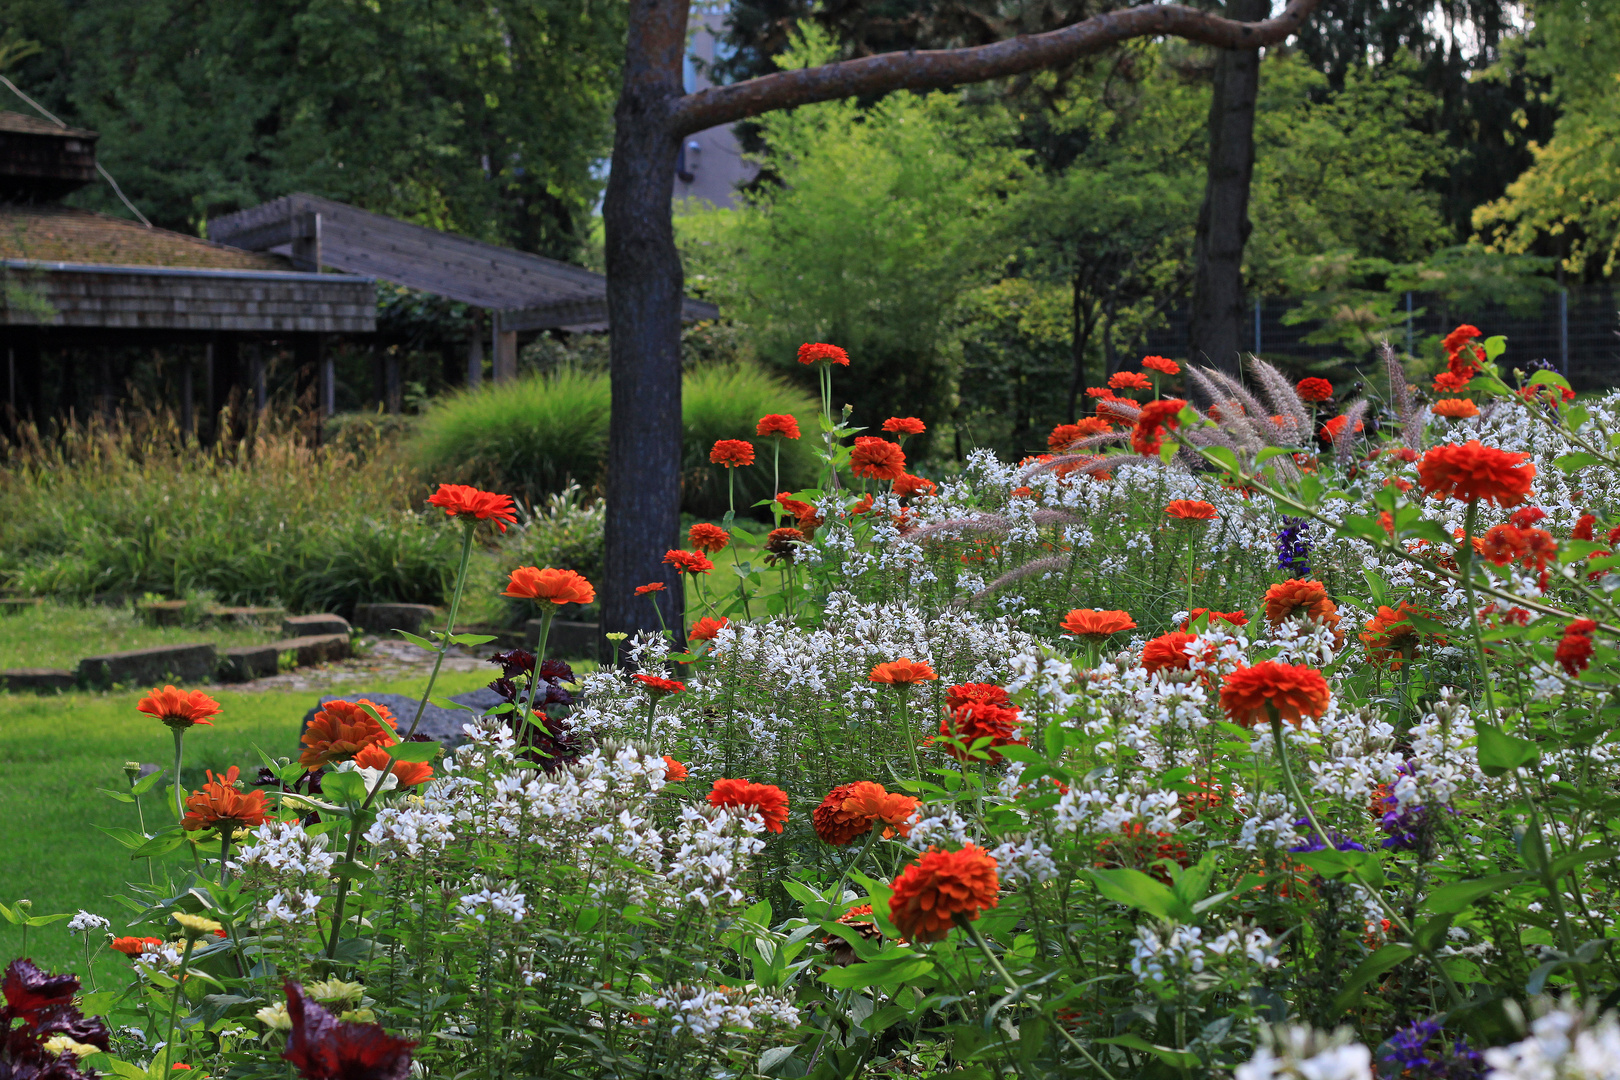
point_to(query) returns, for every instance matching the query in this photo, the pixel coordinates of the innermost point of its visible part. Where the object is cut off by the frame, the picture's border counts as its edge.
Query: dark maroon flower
(321, 1047)
(29, 991)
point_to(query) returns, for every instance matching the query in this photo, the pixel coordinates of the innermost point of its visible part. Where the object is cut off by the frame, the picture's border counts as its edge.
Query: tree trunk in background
(1214, 332)
(645, 285)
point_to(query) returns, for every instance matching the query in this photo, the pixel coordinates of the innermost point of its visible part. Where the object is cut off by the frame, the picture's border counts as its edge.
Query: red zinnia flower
(322, 1047)
(803, 511)
(877, 458)
(1191, 510)
(941, 886)
(1089, 622)
(904, 425)
(977, 720)
(1155, 417)
(1161, 364)
(1314, 389)
(1575, 650)
(549, 586)
(1129, 380)
(1167, 651)
(913, 487)
(1233, 618)
(1526, 516)
(851, 810)
(650, 587)
(1101, 393)
(689, 562)
(219, 803)
(903, 671)
(341, 729)
(1459, 337)
(1583, 527)
(1335, 428)
(707, 629)
(470, 504)
(659, 687)
(732, 453)
(1297, 596)
(1448, 383)
(782, 545)
(1293, 692)
(811, 352)
(1390, 635)
(408, 773)
(1454, 408)
(777, 424)
(707, 538)
(179, 708)
(976, 693)
(674, 771)
(769, 800)
(1472, 471)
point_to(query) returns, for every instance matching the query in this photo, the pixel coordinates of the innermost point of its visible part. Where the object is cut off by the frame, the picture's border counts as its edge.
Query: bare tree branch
(937, 68)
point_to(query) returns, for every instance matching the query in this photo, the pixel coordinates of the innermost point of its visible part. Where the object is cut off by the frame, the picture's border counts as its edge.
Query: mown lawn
(60, 635)
(56, 751)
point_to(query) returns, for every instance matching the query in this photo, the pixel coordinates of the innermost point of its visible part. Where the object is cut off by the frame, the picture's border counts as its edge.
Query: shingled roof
(53, 233)
(24, 124)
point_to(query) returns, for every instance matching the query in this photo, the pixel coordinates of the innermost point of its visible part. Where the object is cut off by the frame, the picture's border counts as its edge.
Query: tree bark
(645, 286)
(1214, 331)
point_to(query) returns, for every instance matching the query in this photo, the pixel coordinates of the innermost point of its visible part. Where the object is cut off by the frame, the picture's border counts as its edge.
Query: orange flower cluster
(768, 801)
(1092, 623)
(218, 803)
(777, 424)
(179, 708)
(470, 504)
(1574, 652)
(1249, 695)
(1390, 635)
(1463, 360)
(1161, 364)
(1297, 596)
(1534, 548)
(804, 515)
(1234, 618)
(1583, 527)
(688, 562)
(1155, 418)
(659, 687)
(853, 810)
(1454, 408)
(978, 720)
(1066, 435)
(902, 672)
(341, 729)
(877, 459)
(820, 351)
(409, 773)
(1471, 471)
(1167, 652)
(904, 425)
(1313, 389)
(1552, 395)
(707, 538)
(1129, 380)
(913, 487)
(549, 586)
(940, 887)
(707, 629)
(674, 771)
(732, 453)
(1191, 510)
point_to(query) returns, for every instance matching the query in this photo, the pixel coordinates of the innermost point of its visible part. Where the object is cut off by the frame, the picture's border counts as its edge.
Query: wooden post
(475, 349)
(188, 420)
(505, 352)
(256, 376)
(392, 390)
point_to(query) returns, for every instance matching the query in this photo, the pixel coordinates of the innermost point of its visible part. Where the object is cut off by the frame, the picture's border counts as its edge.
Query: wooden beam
(579, 313)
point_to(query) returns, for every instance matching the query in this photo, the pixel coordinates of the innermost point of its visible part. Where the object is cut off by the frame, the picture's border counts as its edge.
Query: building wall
(712, 159)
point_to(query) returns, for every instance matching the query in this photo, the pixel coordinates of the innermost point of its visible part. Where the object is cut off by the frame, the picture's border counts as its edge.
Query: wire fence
(1576, 331)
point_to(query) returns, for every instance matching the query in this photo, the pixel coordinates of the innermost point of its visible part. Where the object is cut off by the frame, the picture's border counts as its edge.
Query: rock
(439, 724)
(242, 663)
(567, 640)
(386, 618)
(315, 649)
(176, 663)
(163, 612)
(246, 616)
(297, 626)
(38, 679)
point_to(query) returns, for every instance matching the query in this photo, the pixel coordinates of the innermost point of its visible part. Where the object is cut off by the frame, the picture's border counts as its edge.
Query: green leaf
(1460, 894)
(116, 796)
(1549, 378)
(344, 787)
(422, 641)
(1365, 972)
(161, 844)
(1179, 1059)
(128, 837)
(1432, 933)
(1495, 346)
(1168, 451)
(878, 973)
(1576, 416)
(1570, 860)
(1135, 889)
(471, 639)
(1499, 751)
(147, 783)
(1270, 452)
(1576, 461)
(414, 751)
(1223, 457)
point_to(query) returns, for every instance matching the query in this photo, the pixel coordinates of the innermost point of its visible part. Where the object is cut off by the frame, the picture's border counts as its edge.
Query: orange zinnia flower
(706, 629)
(707, 538)
(1191, 510)
(833, 824)
(1066, 435)
(409, 773)
(1454, 408)
(550, 586)
(1155, 417)
(1472, 471)
(1297, 596)
(341, 729)
(1390, 635)
(931, 893)
(1250, 694)
(1089, 622)
(133, 946)
(470, 504)
(1129, 380)
(650, 587)
(979, 693)
(179, 708)
(769, 800)
(1313, 389)
(1234, 618)
(812, 352)
(689, 562)
(732, 453)
(658, 686)
(878, 459)
(674, 771)
(1167, 651)
(903, 671)
(777, 424)
(219, 803)
(913, 487)
(851, 810)
(1335, 427)
(1161, 364)
(977, 720)
(904, 425)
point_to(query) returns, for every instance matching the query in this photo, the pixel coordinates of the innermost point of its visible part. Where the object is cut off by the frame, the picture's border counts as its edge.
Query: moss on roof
(51, 232)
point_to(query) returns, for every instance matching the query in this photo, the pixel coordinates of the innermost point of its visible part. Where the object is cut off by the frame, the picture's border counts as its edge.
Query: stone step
(163, 612)
(38, 679)
(192, 663)
(242, 663)
(387, 618)
(567, 640)
(246, 616)
(310, 625)
(312, 649)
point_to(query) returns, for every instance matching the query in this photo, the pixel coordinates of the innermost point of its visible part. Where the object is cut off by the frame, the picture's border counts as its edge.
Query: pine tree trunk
(1215, 329)
(644, 290)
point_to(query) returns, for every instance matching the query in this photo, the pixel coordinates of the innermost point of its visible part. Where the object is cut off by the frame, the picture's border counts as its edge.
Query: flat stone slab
(313, 649)
(164, 612)
(242, 663)
(246, 616)
(567, 640)
(38, 679)
(386, 618)
(295, 626)
(177, 663)
(439, 724)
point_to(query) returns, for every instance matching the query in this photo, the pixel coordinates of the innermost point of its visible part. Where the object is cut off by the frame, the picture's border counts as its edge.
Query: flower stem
(1465, 562)
(174, 1005)
(905, 725)
(179, 796)
(449, 629)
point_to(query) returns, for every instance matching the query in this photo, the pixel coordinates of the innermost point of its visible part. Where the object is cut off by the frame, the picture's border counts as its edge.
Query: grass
(58, 635)
(55, 752)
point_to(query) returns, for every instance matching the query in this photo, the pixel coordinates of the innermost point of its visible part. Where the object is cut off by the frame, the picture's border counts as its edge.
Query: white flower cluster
(87, 923)
(489, 902)
(711, 849)
(283, 850)
(1299, 1053)
(410, 831)
(704, 1013)
(1097, 811)
(1166, 955)
(1563, 1045)
(1025, 861)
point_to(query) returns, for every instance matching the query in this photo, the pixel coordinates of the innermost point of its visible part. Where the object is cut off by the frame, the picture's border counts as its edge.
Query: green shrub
(532, 437)
(565, 532)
